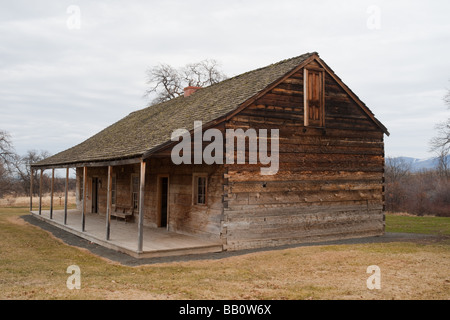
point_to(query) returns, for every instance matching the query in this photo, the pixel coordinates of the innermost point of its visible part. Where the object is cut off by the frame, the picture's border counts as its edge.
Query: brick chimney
(190, 90)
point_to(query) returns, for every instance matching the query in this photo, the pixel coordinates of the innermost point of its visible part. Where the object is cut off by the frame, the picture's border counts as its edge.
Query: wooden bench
(123, 212)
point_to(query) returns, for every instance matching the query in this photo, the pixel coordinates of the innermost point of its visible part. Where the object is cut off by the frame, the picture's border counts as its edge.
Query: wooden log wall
(330, 180)
(183, 216)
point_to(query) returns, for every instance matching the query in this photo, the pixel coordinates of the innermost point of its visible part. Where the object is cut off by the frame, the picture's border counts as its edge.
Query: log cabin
(329, 178)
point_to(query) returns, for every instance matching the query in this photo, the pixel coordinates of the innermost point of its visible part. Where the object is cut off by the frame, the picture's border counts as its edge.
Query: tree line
(426, 192)
(15, 171)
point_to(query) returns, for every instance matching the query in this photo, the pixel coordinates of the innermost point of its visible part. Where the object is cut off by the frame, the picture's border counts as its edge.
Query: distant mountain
(421, 164)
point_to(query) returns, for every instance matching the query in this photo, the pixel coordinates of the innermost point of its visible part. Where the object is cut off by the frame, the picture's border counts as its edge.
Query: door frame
(158, 197)
(94, 191)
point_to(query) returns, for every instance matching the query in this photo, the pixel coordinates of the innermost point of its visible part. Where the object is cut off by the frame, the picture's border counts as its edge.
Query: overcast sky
(70, 68)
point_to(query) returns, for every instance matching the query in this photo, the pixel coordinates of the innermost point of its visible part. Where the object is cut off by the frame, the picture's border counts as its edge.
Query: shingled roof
(145, 130)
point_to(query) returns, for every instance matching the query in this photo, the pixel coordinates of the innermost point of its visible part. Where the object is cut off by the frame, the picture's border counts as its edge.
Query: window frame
(133, 207)
(195, 177)
(321, 96)
(113, 189)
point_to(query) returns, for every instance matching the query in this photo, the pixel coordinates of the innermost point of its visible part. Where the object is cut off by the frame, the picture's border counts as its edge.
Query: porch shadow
(158, 242)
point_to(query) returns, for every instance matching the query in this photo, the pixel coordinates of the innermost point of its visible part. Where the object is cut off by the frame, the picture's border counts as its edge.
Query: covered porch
(123, 236)
(104, 187)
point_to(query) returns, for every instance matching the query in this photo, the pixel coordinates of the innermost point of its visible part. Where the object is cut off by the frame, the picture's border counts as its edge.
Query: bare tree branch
(442, 140)
(396, 169)
(440, 144)
(168, 83)
(447, 99)
(22, 166)
(7, 153)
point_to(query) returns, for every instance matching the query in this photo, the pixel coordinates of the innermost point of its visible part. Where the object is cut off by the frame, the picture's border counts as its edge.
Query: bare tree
(7, 156)
(7, 153)
(22, 165)
(442, 140)
(443, 165)
(447, 99)
(5, 180)
(396, 169)
(440, 144)
(168, 82)
(203, 73)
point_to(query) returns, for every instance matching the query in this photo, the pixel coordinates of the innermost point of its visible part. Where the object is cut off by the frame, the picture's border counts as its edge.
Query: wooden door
(314, 98)
(94, 195)
(163, 200)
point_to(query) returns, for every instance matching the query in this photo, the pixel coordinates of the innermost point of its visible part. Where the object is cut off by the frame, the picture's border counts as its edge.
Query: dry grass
(58, 199)
(33, 266)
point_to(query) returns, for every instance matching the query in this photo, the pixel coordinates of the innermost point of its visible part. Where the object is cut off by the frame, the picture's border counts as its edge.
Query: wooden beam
(40, 191)
(31, 189)
(141, 208)
(65, 195)
(109, 203)
(51, 193)
(118, 162)
(83, 210)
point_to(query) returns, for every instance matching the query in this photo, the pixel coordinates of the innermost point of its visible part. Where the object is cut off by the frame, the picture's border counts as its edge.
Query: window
(314, 100)
(135, 191)
(200, 186)
(113, 190)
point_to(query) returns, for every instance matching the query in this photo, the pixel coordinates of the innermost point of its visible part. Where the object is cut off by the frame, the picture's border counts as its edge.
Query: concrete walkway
(158, 242)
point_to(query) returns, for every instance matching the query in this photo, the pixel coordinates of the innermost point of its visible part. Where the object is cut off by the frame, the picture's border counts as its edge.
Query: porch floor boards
(158, 242)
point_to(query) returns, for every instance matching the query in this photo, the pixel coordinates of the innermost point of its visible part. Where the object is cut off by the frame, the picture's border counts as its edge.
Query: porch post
(141, 208)
(65, 195)
(31, 189)
(51, 193)
(83, 210)
(108, 203)
(40, 191)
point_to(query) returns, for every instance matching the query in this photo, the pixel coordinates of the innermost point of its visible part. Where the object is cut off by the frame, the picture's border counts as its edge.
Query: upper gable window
(314, 97)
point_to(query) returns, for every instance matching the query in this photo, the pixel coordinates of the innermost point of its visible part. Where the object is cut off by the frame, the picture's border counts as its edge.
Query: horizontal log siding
(184, 217)
(330, 180)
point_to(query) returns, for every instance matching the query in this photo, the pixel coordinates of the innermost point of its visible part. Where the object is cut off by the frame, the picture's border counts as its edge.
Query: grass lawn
(33, 265)
(414, 224)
